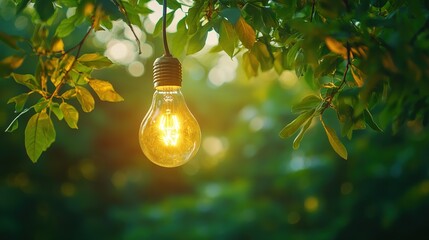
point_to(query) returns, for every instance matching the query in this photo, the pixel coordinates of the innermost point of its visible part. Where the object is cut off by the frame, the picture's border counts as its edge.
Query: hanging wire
(164, 29)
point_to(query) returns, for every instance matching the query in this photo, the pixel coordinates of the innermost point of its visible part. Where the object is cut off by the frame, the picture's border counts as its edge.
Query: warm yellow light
(169, 127)
(169, 134)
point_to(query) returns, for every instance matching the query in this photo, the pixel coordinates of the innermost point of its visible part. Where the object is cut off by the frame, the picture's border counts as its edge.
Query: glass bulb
(169, 134)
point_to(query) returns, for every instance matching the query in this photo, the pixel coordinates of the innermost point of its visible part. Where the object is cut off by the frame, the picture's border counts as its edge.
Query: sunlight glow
(136, 69)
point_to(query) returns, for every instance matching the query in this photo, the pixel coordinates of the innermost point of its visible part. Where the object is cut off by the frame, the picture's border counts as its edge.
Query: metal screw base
(167, 71)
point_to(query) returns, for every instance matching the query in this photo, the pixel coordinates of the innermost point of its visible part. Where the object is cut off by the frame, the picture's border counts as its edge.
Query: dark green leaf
(370, 121)
(21, 6)
(71, 115)
(293, 126)
(44, 8)
(232, 14)
(19, 101)
(39, 135)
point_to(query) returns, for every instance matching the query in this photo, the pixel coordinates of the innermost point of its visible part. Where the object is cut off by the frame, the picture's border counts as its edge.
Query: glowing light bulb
(169, 134)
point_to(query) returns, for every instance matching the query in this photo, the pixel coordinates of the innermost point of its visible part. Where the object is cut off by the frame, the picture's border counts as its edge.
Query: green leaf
(19, 101)
(41, 105)
(105, 91)
(335, 142)
(171, 4)
(293, 126)
(8, 64)
(39, 135)
(71, 115)
(55, 108)
(307, 103)
(250, 64)
(85, 99)
(227, 37)
(44, 8)
(179, 39)
(10, 40)
(21, 6)
(245, 33)
(66, 26)
(27, 80)
(370, 121)
(298, 138)
(232, 14)
(194, 16)
(158, 27)
(198, 40)
(94, 60)
(69, 94)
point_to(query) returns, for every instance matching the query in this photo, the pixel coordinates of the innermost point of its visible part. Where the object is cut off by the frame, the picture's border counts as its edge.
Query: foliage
(346, 51)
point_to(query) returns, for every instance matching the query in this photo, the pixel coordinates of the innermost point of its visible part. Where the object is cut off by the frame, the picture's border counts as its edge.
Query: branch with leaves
(346, 52)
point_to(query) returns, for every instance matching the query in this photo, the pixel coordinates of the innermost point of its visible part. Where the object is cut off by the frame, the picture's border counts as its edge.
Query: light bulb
(169, 134)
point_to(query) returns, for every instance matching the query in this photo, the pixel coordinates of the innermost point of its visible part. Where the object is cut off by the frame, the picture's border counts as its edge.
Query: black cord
(164, 29)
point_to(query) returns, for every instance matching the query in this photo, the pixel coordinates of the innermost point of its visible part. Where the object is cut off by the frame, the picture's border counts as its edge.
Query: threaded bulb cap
(167, 71)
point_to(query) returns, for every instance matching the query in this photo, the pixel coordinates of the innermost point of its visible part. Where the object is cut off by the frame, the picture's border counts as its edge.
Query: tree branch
(79, 47)
(328, 99)
(122, 9)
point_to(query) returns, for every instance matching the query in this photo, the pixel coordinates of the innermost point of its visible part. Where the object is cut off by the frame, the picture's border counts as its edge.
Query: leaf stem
(328, 99)
(79, 47)
(313, 4)
(122, 9)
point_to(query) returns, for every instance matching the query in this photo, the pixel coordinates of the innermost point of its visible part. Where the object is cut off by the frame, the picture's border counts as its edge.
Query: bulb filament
(169, 126)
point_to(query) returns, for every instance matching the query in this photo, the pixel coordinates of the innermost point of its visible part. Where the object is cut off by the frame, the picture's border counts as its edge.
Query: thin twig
(331, 96)
(313, 3)
(79, 47)
(122, 9)
(421, 30)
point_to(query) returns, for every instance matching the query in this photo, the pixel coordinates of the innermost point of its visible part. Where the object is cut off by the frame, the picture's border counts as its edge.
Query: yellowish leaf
(105, 90)
(245, 33)
(250, 64)
(335, 142)
(358, 76)
(336, 47)
(57, 45)
(85, 99)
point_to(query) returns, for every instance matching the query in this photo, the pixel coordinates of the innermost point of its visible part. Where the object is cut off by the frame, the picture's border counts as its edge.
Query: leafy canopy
(356, 56)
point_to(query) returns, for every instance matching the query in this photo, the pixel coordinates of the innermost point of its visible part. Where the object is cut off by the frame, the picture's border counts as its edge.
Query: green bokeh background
(245, 182)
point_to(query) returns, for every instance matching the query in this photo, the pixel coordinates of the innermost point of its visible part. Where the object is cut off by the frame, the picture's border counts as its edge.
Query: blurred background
(244, 183)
